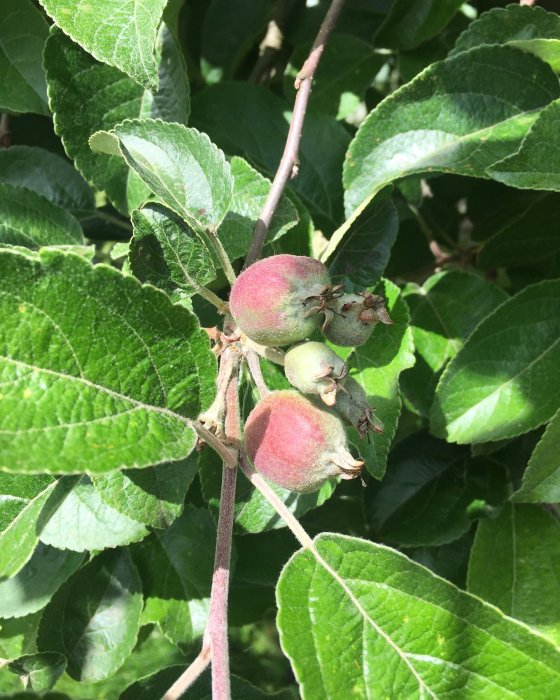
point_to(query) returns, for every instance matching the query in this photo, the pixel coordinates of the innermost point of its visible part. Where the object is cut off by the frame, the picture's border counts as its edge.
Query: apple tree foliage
(134, 134)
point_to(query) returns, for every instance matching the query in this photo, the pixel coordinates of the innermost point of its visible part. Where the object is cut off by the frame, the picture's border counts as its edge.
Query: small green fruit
(314, 368)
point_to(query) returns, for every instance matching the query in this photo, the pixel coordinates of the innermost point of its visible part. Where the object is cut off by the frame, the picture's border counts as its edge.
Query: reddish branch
(289, 162)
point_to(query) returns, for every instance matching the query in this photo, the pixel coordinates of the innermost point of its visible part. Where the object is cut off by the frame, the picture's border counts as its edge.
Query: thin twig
(273, 354)
(289, 161)
(223, 257)
(5, 132)
(254, 365)
(227, 455)
(187, 678)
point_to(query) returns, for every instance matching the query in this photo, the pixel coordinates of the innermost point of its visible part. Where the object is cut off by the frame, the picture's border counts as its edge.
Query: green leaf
(536, 165)
(458, 116)
(47, 174)
(176, 569)
(541, 481)
(30, 220)
(529, 235)
(504, 381)
(152, 496)
(406, 632)
(95, 617)
(347, 67)
(410, 24)
(250, 190)
(252, 512)
(168, 253)
(531, 29)
(120, 33)
(514, 565)
(181, 166)
(223, 111)
(35, 584)
(121, 397)
(76, 79)
(443, 313)
(23, 32)
(376, 365)
(39, 671)
(18, 635)
(432, 492)
(83, 521)
(366, 244)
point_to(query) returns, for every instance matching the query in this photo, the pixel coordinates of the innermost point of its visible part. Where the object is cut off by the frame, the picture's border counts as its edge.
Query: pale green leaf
(40, 671)
(181, 166)
(458, 116)
(514, 565)
(443, 313)
(541, 481)
(531, 29)
(505, 380)
(35, 584)
(46, 173)
(23, 32)
(153, 496)
(95, 617)
(18, 636)
(76, 401)
(176, 570)
(83, 521)
(536, 165)
(121, 33)
(376, 365)
(87, 96)
(28, 219)
(168, 253)
(410, 24)
(250, 190)
(358, 619)
(366, 245)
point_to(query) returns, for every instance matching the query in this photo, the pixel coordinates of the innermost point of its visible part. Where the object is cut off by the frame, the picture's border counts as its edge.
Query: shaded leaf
(122, 34)
(514, 565)
(410, 24)
(18, 635)
(181, 166)
(458, 116)
(153, 496)
(121, 397)
(406, 632)
(34, 585)
(30, 220)
(23, 32)
(39, 671)
(531, 29)
(541, 481)
(87, 96)
(95, 617)
(168, 253)
(504, 381)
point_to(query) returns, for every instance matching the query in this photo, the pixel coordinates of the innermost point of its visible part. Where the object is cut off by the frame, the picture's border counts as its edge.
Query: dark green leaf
(168, 253)
(459, 116)
(153, 496)
(30, 220)
(541, 482)
(531, 29)
(76, 80)
(366, 245)
(504, 381)
(23, 32)
(39, 671)
(514, 565)
(121, 397)
(122, 34)
(224, 111)
(410, 24)
(95, 617)
(176, 570)
(34, 585)
(358, 619)
(18, 635)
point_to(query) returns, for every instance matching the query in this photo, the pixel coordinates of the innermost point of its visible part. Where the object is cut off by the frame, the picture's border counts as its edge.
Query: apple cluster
(296, 438)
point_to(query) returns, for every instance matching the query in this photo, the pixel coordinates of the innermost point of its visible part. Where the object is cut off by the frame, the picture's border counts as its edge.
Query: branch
(256, 373)
(289, 161)
(187, 678)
